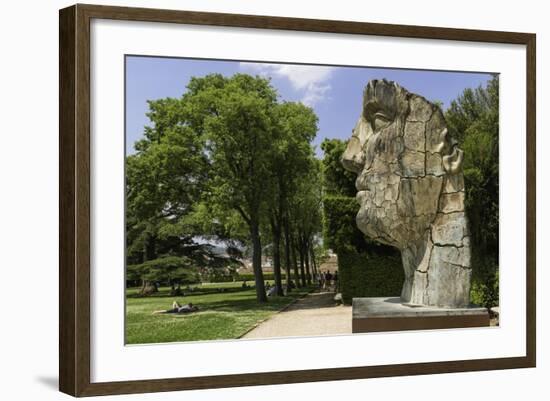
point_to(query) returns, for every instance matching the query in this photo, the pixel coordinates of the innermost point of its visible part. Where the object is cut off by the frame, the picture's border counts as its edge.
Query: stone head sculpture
(410, 188)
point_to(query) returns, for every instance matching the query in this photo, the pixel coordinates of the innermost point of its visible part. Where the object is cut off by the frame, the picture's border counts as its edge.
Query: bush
(340, 231)
(485, 289)
(240, 277)
(250, 277)
(366, 268)
(368, 275)
(165, 269)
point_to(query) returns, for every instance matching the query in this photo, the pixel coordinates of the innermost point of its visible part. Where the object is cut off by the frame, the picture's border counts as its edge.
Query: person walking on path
(321, 279)
(328, 280)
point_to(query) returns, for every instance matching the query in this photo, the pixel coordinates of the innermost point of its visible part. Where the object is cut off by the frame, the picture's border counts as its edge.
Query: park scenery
(263, 198)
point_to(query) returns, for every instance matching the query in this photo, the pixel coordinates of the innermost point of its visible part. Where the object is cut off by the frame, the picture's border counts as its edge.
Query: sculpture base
(390, 314)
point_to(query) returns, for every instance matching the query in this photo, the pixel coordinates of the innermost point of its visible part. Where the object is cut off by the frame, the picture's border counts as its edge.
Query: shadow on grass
(315, 300)
(203, 291)
(251, 304)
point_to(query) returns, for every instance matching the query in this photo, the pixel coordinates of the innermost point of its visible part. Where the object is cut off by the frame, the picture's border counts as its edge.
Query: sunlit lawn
(221, 315)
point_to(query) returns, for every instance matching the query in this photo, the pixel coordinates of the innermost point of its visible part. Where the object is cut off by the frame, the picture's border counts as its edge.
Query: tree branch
(243, 214)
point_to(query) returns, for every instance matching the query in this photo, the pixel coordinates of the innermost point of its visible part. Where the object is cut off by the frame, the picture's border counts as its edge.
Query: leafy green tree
(164, 178)
(290, 161)
(305, 217)
(236, 117)
(336, 179)
(222, 162)
(473, 118)
(172, 269)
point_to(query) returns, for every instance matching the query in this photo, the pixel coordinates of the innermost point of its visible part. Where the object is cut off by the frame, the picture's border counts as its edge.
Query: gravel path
(315, 314)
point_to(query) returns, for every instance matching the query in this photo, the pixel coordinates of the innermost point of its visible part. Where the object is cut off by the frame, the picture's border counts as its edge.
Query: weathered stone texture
(451, 202)
(449, 229)
(416, 136)
(413, 164)
(411, 192)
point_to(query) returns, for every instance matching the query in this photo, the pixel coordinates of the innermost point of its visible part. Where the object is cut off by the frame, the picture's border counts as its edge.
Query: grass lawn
(222, 315)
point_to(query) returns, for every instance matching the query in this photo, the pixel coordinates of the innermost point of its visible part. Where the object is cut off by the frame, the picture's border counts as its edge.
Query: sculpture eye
(381, 121)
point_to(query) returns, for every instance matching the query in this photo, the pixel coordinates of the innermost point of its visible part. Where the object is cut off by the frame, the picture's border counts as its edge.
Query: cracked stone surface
(410, 188)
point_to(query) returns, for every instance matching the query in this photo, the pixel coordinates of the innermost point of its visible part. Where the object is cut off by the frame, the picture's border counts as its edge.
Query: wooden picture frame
(74, 204)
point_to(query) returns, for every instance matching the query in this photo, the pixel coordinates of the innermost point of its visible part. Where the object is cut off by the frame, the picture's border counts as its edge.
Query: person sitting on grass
(177, 308)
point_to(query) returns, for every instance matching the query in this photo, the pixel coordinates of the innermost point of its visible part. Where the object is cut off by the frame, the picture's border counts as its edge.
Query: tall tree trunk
(313, 262)
(257, 262)
(306, 260)
(302, 265)
(287, 254)
(150, 253)
(276, 231)
(295, 261)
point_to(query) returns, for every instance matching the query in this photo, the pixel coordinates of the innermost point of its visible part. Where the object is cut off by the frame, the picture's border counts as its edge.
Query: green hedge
(250, 277)
(365, 275)
(243, 277)
(366, 268)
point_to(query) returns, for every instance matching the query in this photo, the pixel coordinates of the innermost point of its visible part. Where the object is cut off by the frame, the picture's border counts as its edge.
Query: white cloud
(312, 81)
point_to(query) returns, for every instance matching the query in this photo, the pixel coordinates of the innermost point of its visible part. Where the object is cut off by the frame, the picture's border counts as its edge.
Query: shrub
(340, 231)
(250, 277)
(485, 289)
(369, 275)
(366, 268)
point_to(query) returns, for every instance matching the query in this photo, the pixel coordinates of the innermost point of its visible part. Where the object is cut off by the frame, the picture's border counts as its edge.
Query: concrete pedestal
(389, 314)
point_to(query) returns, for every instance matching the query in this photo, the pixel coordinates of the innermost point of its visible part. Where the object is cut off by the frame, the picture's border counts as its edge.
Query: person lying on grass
(177, 308)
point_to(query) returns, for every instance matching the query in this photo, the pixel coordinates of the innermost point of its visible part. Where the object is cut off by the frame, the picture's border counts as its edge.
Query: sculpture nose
(352, 158)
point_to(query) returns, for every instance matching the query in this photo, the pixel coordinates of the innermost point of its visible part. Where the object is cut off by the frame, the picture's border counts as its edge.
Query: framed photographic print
(239, 194)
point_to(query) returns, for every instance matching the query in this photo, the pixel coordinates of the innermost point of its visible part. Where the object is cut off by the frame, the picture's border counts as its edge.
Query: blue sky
(335, 93)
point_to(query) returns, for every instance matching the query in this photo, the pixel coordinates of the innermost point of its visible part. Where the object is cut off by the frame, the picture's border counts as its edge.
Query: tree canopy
(473, 118)
(337, 180)
(222, 162)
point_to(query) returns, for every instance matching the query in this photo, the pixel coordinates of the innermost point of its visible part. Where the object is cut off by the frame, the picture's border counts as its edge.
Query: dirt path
(315, 314)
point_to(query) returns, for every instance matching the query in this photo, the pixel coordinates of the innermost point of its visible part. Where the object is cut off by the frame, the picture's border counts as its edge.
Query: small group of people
(328, 281)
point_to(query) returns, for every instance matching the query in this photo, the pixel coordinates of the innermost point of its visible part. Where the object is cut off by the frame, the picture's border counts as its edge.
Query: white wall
(28, 197)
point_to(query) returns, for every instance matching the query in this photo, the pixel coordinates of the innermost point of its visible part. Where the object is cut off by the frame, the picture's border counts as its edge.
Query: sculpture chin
(366, 216)
(373, 227)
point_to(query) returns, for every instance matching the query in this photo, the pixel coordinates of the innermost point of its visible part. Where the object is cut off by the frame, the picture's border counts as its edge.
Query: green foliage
(223, 162)
(368, 275)
(171, 269)
(219, 276)
(336, 179)
(340, 231)
(306, 203)
(250, 277)
(366, 268)
(485, 292)
(239, 126)
(292, 202)
(473, 118)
